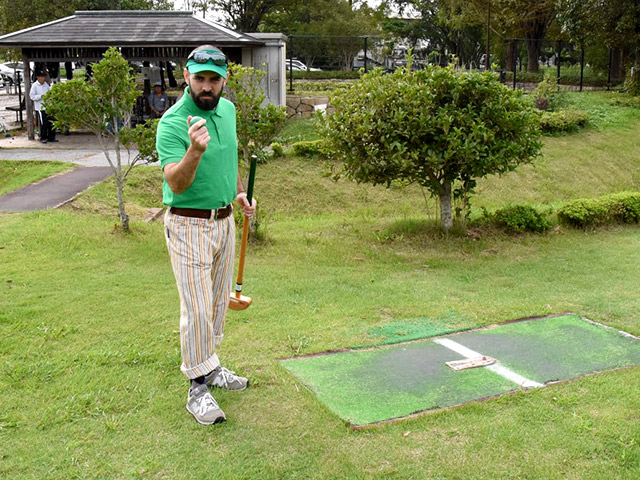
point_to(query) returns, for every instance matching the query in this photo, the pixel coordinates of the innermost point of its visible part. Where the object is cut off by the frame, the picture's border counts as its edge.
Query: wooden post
(27, 102)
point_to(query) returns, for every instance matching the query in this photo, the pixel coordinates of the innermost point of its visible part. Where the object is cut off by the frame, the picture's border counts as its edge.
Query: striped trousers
(201, 252)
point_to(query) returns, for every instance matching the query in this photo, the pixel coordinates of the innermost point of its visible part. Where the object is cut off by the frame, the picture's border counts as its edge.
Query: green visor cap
(208, 61)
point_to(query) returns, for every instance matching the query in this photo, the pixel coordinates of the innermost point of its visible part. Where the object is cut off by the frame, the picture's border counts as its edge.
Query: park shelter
(147, 36)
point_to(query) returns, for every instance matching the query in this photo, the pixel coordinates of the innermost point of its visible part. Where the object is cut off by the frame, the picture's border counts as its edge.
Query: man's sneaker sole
(220, 419)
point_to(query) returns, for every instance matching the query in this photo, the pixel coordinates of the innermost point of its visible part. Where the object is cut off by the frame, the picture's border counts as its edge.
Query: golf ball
(195, 120)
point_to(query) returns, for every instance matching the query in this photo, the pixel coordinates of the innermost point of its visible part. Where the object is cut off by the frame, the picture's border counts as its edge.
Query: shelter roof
(140, 28)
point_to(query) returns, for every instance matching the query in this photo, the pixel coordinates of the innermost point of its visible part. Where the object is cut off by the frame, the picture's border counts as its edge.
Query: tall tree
(325, 28)
(245, 15)
(620, 20)
(103, 106)
(439, 128)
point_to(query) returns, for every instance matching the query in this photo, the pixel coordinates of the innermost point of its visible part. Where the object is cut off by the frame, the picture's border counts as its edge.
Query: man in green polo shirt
(200, 163)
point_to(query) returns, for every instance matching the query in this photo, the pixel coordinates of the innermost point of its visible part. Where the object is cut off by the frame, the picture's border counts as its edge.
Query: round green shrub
(306, 148)
(584, 213)
(563, 121)
(628, 203)
(277, 149)
(520, 219)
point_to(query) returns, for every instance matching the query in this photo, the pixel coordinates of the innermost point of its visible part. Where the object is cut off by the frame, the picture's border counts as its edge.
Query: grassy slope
(89, 347)
(601, 159)
(14, 175)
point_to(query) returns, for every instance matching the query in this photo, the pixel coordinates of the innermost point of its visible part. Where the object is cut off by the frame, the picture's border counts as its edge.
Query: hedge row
(563, 121)
(325, 75)
(616, 208)
(565, 79)
(609, 209)
(518, 219)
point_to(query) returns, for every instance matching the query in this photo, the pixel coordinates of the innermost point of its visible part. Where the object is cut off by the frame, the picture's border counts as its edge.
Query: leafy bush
(632, 82)
(520, 219)
(325, 74)
(277, 149)
(584, 212)
(628, 206)
(563, 121)
(256, 124)
(307, 148)
(565, 79)
(437, 127)
(318, 86)
(627, 101)
(616, 208)
(548, 95)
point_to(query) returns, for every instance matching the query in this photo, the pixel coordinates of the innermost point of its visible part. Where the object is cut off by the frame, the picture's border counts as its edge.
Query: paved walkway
(82, 149)
(79, 148)
(53, 191)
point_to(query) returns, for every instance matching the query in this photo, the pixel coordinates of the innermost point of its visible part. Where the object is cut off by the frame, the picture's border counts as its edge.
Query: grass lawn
(89, 352)
(14, 175)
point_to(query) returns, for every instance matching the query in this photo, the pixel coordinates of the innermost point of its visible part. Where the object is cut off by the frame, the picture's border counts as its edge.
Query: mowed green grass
(14, 175)
(89, 352)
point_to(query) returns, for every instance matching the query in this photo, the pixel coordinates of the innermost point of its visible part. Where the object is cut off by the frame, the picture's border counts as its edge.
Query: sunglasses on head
(203, 56)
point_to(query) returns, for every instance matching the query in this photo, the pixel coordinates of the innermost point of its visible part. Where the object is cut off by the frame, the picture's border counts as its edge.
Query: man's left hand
(247, 210)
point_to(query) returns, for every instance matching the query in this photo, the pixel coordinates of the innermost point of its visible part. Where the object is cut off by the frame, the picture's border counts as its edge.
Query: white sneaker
(203, 406)
(225, 378)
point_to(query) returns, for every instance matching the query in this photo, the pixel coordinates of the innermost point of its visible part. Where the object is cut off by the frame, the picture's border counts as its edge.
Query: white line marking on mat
(495, 368)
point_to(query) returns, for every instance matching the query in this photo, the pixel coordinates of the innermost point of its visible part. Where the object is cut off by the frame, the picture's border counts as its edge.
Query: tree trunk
(124, 218)
(617, 63)
(533, 54)
(509, 66)
(535, 30)
(445, 206)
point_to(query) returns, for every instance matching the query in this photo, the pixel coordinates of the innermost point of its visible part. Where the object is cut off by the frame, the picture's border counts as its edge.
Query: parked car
(298, 66)
(8, 71)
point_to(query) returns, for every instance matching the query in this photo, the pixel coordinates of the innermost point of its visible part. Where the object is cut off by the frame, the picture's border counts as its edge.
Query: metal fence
(572, 64)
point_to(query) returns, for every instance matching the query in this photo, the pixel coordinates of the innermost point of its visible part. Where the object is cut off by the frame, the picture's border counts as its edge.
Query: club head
(239, 302)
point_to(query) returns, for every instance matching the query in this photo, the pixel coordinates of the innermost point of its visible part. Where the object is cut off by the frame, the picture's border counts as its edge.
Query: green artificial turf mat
(555, 348)
(373, 385)
(414, 329)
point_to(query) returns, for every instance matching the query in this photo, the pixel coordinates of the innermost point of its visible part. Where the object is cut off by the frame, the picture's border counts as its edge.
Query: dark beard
(206, 104)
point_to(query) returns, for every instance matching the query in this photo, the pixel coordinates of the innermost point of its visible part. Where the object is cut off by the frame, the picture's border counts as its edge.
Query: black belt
(218, 214)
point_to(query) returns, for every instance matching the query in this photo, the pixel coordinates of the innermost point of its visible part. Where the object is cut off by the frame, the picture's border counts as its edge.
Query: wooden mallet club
(239, 301)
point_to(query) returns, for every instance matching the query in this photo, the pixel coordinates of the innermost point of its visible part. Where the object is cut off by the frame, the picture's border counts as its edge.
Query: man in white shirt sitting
(38, 89)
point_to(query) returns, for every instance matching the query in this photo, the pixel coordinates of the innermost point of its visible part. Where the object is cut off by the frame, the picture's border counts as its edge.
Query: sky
(181, 5)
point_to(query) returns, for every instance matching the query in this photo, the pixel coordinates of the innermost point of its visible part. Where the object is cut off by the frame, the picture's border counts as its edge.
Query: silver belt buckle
(217, 210)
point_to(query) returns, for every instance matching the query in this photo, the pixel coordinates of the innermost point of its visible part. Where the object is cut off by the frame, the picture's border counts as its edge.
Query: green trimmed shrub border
(520, 219)
(516, 219)
(621, 207)
(307, 148)
(563, 121)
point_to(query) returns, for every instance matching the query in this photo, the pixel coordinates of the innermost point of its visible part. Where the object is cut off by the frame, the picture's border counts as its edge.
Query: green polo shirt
(215, 183)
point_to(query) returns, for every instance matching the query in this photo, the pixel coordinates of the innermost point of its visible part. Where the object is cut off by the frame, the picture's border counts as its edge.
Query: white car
(8, 71)
(298, 66)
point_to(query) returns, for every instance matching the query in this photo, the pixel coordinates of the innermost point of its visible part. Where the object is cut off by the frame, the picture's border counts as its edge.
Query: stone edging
(304, 107)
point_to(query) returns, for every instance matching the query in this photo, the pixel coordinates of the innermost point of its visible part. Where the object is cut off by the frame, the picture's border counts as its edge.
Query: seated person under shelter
(158, 101)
